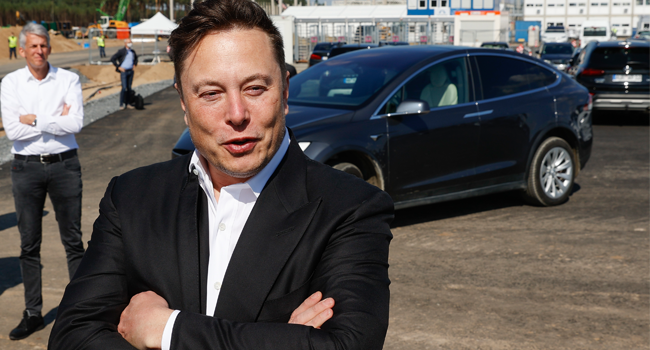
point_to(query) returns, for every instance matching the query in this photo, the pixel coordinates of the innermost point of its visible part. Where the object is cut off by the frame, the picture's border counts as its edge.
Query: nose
(237, 111)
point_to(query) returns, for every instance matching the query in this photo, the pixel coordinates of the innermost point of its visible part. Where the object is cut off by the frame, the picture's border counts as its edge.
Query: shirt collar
(51, 73)
(257, 182)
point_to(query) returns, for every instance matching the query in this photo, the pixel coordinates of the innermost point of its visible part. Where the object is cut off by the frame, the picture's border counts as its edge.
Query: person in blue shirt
(125, 60)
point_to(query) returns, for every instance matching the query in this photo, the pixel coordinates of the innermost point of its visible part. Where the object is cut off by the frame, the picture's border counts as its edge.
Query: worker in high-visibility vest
(13, 42)
(102, 45)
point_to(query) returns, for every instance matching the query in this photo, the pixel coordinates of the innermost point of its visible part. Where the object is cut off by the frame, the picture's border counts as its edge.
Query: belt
(48, 158)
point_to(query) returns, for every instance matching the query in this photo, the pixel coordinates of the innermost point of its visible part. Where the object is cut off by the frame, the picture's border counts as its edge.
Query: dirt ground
(106, 81)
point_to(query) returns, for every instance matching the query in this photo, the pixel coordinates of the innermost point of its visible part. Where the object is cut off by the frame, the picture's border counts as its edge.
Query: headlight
(547, 61)
(304, 145)
(324, 58)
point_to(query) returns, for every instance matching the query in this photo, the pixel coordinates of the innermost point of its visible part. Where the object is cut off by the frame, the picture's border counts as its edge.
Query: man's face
(35, 51)
(127, 42)
(234, 101)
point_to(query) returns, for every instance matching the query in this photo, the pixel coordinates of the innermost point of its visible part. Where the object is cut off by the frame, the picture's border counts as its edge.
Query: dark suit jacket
(119, 56)
(312, 229)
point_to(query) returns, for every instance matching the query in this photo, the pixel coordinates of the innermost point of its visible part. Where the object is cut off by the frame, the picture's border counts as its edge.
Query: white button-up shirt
(23, 94)
(226, 220)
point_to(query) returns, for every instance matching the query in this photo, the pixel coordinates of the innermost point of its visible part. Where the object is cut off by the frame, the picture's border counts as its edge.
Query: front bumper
(620, 102)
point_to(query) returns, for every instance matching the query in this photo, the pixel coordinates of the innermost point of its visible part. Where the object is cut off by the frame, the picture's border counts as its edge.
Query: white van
(594, 30)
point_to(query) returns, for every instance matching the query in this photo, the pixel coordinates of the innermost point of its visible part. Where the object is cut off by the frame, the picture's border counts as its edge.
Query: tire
(552, 173)
(349, 168)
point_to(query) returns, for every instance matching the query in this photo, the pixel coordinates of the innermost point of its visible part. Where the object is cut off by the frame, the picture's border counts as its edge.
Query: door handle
(375, 137)
(478, 114)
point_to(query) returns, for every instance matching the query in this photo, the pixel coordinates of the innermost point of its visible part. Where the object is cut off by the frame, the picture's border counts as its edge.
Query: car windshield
(346, 82)
(619, 57)
(595, 31)
(557, 50)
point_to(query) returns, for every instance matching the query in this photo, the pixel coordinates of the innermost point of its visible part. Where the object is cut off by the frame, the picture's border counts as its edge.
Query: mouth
(240, 146)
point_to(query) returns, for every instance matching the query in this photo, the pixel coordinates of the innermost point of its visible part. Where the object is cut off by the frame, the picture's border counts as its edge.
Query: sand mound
(104, 80)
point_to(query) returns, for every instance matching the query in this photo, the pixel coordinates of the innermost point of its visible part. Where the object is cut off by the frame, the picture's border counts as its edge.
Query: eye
(209, 95)
(255, 90)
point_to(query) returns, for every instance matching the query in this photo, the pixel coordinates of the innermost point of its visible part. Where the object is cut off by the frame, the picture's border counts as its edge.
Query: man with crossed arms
(244, 244)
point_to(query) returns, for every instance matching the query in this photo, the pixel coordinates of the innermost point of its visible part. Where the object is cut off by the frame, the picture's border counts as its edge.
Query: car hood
(300, 117)
(556, 57)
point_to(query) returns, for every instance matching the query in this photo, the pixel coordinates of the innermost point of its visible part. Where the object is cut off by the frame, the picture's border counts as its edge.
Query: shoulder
(66, 74)
(153, 179)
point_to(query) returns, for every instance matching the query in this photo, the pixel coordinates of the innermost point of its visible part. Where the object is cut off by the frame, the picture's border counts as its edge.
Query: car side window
(443, 84)
(502, 76)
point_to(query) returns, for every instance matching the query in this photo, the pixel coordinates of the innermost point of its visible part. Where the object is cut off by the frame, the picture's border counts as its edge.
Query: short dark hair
(220, 15)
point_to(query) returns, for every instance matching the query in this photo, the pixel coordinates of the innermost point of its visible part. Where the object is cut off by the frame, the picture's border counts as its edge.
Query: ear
(21, 51)
(285, 94)
(180, 94)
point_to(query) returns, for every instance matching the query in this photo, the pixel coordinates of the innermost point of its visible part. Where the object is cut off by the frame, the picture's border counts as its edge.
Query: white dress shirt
(23, 94)
(226, 220)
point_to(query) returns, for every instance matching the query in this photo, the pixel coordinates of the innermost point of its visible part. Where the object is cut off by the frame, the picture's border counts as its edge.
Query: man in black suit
(244, 244)
(125, 60)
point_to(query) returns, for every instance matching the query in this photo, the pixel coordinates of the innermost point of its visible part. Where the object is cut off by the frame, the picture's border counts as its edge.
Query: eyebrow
(267, 79)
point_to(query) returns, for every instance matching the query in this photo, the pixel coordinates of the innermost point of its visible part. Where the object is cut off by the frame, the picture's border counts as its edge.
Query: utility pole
(171, 10)
(279, 7)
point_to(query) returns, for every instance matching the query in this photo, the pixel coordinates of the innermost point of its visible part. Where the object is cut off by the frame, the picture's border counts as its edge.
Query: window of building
(559, 24)
(616, 4)
(626, 4)
(604, 4)
(639, 2)
(560, 5)
(538, 5)
(551, 5)
(443, 3)
(594, 4)
(434, 3)
(582, 4)
(550, 24)
(531, 5)
(573, 4)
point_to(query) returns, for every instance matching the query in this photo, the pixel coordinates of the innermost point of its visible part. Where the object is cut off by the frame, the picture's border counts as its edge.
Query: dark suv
(616, 74)
(322, 52)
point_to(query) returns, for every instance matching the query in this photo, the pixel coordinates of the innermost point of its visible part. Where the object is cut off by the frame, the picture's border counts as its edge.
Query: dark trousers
(31, 182)
(12, 50)
(127, 80)
(102, 51)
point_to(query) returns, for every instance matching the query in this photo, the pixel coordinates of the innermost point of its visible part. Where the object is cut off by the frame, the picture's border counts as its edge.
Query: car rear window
(557, 49)
(321, 47)
(619, 57)
(595, 31)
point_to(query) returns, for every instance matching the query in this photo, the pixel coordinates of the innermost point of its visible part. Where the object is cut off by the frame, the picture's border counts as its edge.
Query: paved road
(67, 59)
(482, 273)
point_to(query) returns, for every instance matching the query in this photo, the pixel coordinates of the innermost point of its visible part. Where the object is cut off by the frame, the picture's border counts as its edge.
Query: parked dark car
(393, 43)
(556, 54)
(616, 74)
(436, 123)
(643, 35)
(495, 45)
(349, 48)
(321, 52)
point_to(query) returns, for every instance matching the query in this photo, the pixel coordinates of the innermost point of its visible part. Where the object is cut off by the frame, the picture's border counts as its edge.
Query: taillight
(315, 56)
(592, 72)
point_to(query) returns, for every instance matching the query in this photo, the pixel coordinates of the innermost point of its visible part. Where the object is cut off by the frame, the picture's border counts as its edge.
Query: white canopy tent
(156, 25)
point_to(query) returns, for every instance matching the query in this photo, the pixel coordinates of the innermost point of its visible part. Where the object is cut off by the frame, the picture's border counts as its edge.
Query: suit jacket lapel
(192, 292)
(281, 215)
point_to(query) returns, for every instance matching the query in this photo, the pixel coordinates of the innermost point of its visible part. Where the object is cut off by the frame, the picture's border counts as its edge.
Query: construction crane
(109, 22)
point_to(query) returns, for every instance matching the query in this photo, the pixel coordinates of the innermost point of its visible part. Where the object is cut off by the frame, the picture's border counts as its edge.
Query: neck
(41, 72)
(219, 178)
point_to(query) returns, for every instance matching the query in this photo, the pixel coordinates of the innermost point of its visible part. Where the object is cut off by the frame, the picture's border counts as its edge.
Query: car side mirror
(408, 107)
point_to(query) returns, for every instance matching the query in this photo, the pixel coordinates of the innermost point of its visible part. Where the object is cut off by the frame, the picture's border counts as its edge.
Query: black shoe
(27, 326)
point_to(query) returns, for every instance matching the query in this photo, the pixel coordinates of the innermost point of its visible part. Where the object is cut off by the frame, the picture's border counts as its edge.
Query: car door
(513, 102)
(433, 153)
